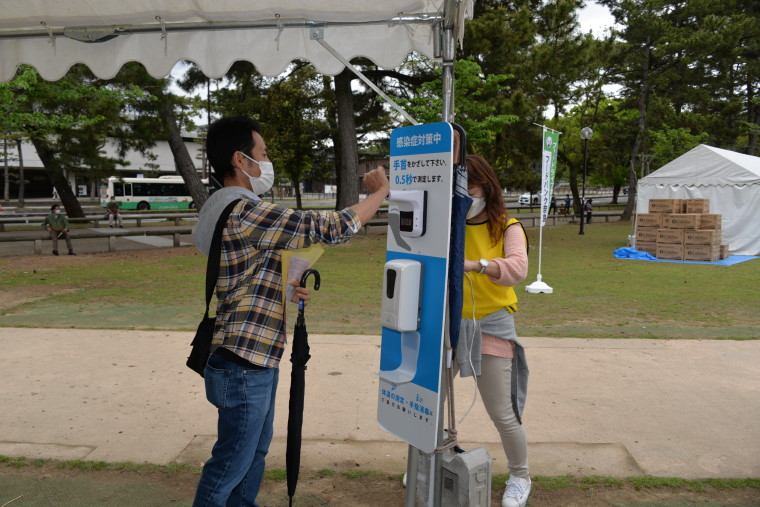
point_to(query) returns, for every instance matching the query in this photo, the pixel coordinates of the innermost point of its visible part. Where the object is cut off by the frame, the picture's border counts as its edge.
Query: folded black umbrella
(299, 356)
(460, 204)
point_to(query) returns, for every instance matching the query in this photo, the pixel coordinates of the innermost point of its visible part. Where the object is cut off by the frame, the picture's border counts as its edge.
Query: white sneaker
(517, 493)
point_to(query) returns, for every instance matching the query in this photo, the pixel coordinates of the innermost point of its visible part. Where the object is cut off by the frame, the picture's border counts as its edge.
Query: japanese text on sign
(404, 164)
(405, 405)
(401, 177)
(426, 139)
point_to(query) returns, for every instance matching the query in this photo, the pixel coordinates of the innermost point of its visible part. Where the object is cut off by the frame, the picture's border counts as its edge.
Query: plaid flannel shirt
(250, 317)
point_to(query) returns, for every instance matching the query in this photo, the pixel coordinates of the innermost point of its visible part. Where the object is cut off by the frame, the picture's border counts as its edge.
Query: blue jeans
(245, 400)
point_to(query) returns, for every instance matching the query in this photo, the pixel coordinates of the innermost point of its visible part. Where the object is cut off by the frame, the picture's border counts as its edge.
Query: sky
(596, 18)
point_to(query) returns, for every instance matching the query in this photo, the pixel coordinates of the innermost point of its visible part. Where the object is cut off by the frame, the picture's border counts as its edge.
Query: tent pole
(447, 78)
(318, 34)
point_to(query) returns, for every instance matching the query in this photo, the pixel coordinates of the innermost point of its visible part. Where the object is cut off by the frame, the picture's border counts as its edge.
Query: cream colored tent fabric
(213, 34)
(729, 179)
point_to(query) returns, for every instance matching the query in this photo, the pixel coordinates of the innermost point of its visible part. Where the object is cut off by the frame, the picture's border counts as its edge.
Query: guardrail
(95, 220)
(110, 236)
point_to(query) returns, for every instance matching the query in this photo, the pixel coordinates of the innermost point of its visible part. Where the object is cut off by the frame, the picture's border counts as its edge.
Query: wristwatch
(483, 266)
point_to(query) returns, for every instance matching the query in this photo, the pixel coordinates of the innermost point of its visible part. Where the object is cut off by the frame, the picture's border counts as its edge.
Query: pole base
(538, 287)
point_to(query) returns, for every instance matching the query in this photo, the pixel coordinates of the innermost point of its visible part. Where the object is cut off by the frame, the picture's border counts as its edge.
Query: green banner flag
(548, 169)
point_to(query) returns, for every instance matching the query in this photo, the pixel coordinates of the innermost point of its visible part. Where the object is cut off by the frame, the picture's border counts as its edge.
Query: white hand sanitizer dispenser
(402, 279)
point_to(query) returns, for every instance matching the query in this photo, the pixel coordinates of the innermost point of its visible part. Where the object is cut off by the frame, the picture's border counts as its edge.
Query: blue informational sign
(414, 285)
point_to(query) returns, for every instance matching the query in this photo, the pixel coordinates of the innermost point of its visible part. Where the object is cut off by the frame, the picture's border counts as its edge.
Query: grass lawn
(595, 295)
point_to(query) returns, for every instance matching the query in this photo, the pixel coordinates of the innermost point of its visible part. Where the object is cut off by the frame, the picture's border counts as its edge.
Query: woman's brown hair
(479, 172)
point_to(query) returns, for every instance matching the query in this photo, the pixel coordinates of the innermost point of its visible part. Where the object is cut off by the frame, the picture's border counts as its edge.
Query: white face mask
(264, 182)
(57, 212)
(476, 208)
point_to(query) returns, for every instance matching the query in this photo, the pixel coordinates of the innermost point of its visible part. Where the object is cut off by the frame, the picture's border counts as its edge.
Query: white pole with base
(538, 286)
(548, 161)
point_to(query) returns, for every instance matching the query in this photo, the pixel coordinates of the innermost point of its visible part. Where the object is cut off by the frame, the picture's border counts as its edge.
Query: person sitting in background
(57, 226)
(113, 212)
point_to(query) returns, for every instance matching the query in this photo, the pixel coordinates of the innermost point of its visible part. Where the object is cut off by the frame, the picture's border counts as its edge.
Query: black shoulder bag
(201, 344)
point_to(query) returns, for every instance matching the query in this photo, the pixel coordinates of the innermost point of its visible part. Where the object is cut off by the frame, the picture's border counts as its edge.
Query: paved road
(596, 406)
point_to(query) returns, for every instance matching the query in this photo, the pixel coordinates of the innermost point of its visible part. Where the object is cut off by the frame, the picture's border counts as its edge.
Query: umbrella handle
(304, 277)
(462, 143)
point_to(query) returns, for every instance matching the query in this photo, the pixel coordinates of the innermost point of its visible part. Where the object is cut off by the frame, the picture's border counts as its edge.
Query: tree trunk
(753, 118)
(348, 181)
(632, 179)
(299, 204)
(6, 178)
(331, 115)
(577, 208)
(21, 188)
(68, 197)
(183, 161)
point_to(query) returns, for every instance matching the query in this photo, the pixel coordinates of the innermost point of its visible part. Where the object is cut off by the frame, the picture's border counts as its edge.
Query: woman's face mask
(263, 183)
(476, 208)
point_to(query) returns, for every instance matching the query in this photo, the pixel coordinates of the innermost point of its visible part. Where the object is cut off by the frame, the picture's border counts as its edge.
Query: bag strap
(215, 252)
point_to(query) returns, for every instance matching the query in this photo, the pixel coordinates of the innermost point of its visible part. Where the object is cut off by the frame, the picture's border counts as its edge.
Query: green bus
(164, 192)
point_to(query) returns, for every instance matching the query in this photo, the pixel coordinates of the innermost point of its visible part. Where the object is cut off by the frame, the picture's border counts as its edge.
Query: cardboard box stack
(680, 229)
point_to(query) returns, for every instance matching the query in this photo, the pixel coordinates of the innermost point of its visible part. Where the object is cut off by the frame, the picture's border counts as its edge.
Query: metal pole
(410, 500)
(583, 194)
(447, 78)
(586, 134)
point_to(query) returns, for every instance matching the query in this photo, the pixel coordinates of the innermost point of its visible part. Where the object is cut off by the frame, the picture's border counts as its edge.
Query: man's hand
(377, 181)
(301, 293)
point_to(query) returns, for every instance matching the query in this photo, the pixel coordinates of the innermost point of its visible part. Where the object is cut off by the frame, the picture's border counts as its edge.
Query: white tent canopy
(214, 34)
(729, 179)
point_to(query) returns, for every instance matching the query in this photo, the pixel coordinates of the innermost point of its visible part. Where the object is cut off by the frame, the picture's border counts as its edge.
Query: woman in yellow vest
(496, 259)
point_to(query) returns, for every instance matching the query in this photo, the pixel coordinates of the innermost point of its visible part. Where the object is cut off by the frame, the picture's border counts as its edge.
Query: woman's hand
(470, 266)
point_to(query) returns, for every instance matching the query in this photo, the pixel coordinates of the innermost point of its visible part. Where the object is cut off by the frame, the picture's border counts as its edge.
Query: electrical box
(411, 205)
(465, 478)
(402, 279)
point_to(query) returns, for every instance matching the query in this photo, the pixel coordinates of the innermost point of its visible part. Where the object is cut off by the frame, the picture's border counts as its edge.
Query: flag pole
(548, 166)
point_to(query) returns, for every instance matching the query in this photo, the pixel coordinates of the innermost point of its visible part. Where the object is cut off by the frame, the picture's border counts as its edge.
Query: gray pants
(111, 217)
(64, 235)
(494, 386)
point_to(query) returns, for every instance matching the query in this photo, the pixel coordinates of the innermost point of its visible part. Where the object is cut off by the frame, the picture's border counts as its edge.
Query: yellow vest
(489, 297)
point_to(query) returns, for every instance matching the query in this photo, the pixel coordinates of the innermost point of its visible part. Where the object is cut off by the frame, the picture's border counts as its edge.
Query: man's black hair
(225, 137)
(53, 207)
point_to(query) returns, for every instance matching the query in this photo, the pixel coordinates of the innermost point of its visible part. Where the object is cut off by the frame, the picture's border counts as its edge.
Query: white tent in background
(729, 179)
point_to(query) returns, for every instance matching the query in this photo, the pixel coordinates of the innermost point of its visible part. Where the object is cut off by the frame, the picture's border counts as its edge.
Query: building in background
(38, 184)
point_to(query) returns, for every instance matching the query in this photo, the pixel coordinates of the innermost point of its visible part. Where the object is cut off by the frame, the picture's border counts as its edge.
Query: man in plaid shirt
(249, 338)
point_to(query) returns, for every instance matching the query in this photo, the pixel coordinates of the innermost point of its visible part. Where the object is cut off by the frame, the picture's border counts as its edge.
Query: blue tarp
(632, 253)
